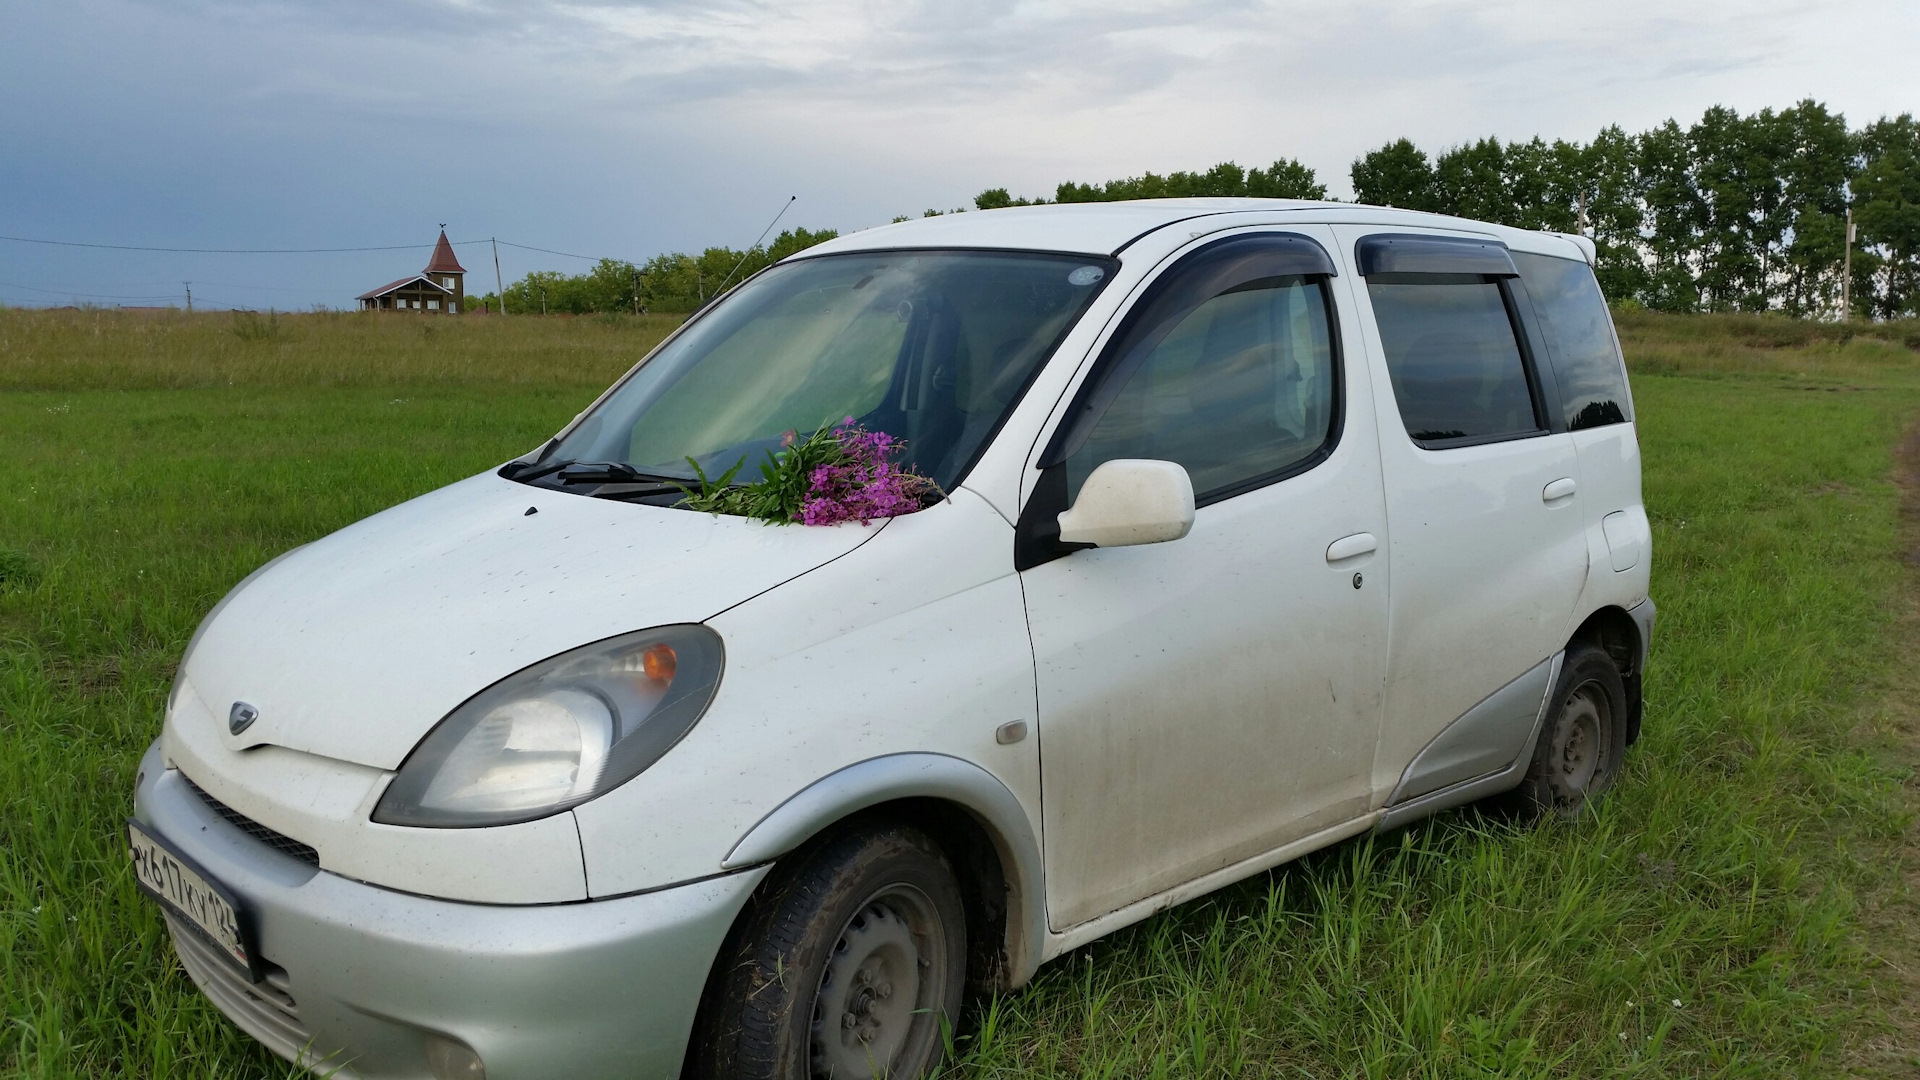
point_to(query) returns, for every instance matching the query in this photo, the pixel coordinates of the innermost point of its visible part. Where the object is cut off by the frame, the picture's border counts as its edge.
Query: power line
(199, 303)
(243, 251)
(549, 251)
(261, 288)
(100, 284)
(283, 251)
(90, 296)
(71, 294)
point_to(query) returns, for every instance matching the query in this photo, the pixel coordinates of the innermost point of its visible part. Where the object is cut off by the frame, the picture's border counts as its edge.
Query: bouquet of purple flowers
(865, 483)
(839, 473)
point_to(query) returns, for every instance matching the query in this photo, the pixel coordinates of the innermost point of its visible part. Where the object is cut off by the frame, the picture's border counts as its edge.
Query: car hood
(354, 646)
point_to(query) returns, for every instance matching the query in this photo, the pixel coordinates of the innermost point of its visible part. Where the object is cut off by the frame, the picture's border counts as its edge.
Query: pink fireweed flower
(864, 485)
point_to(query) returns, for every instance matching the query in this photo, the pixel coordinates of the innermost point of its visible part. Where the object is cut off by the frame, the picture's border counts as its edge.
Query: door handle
(1351, 547)
(1562, 488)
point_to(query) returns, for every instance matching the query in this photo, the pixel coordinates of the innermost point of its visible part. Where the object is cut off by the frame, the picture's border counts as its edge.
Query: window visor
(1403, 253)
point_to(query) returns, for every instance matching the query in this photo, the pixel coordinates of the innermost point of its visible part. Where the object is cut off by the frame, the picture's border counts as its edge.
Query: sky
(626, 129)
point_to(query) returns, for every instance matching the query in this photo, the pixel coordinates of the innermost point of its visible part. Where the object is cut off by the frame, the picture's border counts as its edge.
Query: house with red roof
(440, 288)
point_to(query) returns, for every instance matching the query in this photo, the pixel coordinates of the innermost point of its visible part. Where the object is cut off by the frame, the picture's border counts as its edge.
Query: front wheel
(848, 965)
(1583, 739)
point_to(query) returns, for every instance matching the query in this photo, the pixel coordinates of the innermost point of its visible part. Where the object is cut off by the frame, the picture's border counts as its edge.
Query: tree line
(674, 282)
(1731, 213)
(1284, 179)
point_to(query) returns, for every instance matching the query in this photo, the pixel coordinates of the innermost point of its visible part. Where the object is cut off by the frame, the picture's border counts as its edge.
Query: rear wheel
(849, 965)
(1583, 739)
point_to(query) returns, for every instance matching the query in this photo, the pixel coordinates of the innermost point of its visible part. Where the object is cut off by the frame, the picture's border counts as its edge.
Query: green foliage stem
(777, 495)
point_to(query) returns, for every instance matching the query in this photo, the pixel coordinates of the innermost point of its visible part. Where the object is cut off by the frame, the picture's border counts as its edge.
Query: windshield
(931, 347)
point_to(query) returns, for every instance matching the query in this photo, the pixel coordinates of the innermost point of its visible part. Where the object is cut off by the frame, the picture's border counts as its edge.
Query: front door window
(1239, 388)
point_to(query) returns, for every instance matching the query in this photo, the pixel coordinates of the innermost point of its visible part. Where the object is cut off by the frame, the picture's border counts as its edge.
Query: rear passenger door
(1488, 549)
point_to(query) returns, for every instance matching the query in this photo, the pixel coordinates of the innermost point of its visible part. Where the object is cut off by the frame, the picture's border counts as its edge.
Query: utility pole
(189, 286)
(1846, 274)
(543, 299)
(636, 292)
(499, 289)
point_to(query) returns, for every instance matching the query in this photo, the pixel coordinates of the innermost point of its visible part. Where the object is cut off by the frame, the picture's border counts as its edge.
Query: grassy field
(1724, 914)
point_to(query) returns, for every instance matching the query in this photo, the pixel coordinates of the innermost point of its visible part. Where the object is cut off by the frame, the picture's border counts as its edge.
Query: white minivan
(1259, 525)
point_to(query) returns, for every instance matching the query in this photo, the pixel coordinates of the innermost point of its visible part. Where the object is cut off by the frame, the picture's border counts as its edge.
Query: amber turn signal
(658, 662)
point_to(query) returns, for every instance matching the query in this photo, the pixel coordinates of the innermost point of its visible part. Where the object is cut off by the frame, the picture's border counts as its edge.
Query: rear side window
(1454, 358)
(1586, 358)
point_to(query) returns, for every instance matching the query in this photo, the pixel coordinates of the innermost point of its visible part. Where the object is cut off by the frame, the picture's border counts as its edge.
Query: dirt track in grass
(1892, 924)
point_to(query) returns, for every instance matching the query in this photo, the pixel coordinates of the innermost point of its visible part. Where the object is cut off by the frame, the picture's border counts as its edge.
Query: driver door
(1207, 700)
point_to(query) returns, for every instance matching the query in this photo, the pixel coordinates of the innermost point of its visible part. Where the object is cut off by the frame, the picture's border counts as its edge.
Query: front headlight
(558, 733)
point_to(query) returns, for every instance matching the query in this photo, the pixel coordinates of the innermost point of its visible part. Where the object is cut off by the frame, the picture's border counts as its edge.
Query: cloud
(632, 127)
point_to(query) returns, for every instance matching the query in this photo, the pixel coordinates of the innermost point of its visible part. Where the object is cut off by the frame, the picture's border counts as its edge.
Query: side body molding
(1484, 752)
(923, 776)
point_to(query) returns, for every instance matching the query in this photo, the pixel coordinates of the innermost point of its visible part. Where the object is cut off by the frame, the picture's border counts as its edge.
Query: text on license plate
(191, 896)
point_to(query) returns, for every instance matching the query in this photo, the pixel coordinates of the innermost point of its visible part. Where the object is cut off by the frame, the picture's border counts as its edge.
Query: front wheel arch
(968, 810)
(784, 999)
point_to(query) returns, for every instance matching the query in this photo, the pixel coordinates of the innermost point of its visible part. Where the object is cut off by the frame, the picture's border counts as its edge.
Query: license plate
(191, 894)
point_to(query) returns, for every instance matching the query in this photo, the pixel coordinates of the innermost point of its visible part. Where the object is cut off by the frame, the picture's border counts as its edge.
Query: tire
(848, 964)
(1583, 740)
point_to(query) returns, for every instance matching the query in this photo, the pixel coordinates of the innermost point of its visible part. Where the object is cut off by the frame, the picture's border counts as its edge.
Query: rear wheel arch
(1618, 634)
(1578, 751)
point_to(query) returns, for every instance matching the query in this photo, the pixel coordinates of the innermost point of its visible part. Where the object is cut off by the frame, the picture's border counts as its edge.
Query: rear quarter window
(1580, 342)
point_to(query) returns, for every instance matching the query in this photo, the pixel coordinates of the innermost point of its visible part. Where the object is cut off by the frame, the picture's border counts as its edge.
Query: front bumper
(364, 980)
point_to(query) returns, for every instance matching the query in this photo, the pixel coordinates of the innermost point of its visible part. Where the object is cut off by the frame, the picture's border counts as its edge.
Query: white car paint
(1138, 650)
(915, 641)
(1202, 708)
(326, 803)
(356, 644)
(1207, 700)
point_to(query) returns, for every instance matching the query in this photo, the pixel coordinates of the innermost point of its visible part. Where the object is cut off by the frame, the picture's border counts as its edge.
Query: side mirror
(1130, 501)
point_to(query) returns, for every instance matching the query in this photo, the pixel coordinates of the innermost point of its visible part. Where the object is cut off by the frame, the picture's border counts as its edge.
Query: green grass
(167, 350)
(152, 462)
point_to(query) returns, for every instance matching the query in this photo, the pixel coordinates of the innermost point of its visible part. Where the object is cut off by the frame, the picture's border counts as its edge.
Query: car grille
(286, 845)
(265, 1010)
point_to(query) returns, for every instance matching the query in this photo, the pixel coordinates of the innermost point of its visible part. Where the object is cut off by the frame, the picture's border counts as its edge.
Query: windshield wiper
(586, 472)
(530, 470)
(611, 472)
(651, 491)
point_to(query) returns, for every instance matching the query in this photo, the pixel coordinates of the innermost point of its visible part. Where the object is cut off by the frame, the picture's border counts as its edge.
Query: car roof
(1108, 228)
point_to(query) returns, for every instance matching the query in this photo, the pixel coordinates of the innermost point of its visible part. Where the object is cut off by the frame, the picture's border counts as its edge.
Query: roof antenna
(763, 235)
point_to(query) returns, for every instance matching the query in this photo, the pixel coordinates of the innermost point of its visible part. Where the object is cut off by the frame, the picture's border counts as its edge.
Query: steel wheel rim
(878, 1004)
(1579, 743)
